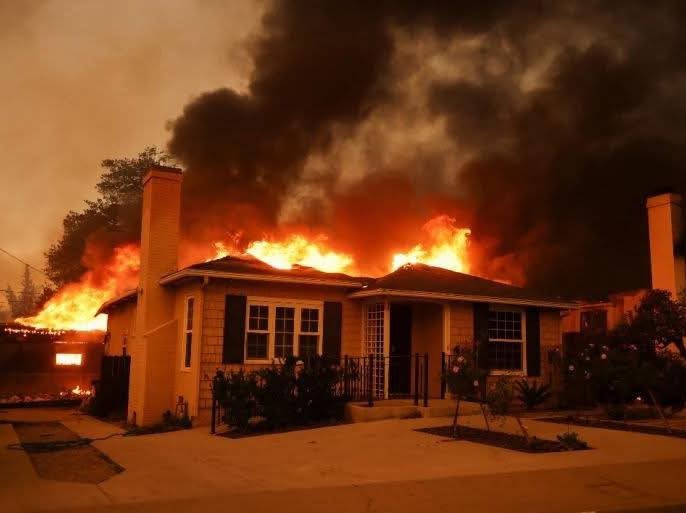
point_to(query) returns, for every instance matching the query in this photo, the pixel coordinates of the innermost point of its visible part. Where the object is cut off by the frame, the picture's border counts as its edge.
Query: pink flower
(456, 369)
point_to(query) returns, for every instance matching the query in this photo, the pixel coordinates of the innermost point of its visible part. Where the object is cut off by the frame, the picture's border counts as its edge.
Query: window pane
(259, 318)
(504, 325)
(505, 355)
(308, 345)
(189, 313)
(309, 320)
(257, 346)
(284, 328)
(189, 347)
(283, 345)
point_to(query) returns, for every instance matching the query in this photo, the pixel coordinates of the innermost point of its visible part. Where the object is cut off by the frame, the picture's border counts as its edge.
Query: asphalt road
(657, 487)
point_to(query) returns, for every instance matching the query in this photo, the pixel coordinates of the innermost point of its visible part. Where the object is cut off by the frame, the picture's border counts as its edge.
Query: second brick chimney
(665, 225)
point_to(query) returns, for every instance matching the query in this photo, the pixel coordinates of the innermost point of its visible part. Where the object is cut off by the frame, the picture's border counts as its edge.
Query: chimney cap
(164, 172)
(665, 198)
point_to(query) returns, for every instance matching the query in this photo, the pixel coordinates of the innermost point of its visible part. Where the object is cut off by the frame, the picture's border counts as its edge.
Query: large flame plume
(74, 307)
(448, 247)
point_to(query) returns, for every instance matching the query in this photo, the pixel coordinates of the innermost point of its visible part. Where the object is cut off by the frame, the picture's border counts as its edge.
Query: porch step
(405, 409)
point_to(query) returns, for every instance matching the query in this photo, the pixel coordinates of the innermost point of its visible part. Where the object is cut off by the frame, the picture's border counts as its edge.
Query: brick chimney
(152, 350)
(665, 225)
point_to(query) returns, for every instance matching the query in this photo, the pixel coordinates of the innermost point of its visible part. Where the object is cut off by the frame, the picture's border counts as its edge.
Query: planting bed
(498, 439)
(616, 425)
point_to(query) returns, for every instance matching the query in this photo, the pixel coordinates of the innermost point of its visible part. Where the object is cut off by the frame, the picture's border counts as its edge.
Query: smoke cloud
(542, 127)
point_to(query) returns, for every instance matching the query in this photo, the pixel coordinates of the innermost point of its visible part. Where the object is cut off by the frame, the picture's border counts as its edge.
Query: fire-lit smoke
(543, 125)
(74, 307)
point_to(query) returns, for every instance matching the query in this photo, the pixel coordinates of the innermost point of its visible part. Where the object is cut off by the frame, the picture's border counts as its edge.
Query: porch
(405, 345)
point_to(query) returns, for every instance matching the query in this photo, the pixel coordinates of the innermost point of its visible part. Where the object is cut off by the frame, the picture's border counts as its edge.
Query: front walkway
(194, 466)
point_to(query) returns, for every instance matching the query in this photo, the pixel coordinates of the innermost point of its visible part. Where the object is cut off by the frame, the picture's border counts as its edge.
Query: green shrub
(532, 395)
(616, 411)
(236, 393)
(500, 397)
(571, 441)
(293, 393)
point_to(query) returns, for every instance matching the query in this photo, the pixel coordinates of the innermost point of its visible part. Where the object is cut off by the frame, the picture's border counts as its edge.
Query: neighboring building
(181, 325)
(668, 271)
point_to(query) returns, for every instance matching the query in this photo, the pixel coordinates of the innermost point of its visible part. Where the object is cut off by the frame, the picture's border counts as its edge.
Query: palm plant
(532, 395)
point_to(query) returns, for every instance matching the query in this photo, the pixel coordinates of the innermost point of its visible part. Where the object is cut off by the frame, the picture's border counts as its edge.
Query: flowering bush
(641, 358)
(462, 376)
(293, 393)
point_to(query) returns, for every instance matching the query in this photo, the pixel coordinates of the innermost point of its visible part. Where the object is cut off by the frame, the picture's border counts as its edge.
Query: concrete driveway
(377, 466)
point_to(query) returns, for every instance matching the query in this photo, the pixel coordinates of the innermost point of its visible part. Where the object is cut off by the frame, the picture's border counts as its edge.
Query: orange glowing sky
(89, 81)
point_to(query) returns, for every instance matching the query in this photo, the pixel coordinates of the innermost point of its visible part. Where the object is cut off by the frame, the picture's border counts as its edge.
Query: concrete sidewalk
(194, 466)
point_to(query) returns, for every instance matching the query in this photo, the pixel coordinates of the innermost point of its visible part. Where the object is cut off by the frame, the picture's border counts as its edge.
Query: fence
(368, 378)
(112, 389)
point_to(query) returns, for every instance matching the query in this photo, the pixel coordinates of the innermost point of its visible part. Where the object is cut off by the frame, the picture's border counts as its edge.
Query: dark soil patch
(616, 425)
(54, 403)
(82, 464)
(498, 439)
(260, 430)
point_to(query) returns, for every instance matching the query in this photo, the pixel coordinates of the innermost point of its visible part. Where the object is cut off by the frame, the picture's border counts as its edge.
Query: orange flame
(294, 250)
(297, 250)
(448, 249)
(74, 307)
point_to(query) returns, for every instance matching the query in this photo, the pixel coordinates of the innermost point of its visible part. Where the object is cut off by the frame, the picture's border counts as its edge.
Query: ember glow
(72, 359)
(448, 247)
(74, 307)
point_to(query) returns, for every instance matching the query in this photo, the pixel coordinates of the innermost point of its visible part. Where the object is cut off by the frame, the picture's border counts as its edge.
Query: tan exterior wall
(186, 380)
(121, 327)
(427, 337)
(213, 325)
(461, 325)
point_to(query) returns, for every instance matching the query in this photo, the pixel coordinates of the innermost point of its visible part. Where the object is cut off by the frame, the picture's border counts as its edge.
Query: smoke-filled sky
(540, 125)
(86, 80)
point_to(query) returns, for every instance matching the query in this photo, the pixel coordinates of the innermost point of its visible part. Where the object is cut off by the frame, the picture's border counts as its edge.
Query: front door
(401, 350)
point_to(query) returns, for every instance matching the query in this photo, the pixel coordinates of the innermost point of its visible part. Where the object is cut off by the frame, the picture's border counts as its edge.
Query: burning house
(45, 365)
(182, 324)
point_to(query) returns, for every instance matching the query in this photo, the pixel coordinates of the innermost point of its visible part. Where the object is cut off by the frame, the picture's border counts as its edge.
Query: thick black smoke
(565, 118)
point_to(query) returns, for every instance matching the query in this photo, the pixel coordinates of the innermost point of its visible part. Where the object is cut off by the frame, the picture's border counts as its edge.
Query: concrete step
(405, 409)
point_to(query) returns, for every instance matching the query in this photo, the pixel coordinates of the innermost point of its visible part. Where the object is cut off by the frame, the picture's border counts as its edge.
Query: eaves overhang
(449, 296)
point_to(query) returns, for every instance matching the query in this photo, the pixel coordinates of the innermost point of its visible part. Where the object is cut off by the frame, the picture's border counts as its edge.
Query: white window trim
(271, 303)
(185, 332)
(522, 312)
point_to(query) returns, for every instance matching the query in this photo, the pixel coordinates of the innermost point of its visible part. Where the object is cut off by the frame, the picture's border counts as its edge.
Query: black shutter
(481, 334)
(533, 342)
(333, 322)
(234, 329)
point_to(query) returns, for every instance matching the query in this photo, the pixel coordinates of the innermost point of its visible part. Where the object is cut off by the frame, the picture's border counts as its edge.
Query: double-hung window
(257, 337)
(308, 341)
(277, 329)
(284, 330)
(188, 333)
(506, 337)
